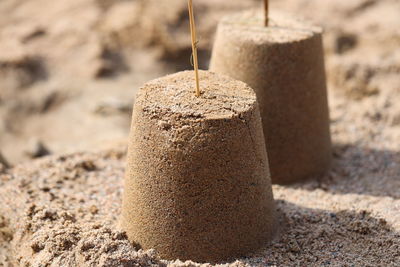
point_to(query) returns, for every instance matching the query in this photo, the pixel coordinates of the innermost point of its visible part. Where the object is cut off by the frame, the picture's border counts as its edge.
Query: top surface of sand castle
(175, 94)
(282, 28)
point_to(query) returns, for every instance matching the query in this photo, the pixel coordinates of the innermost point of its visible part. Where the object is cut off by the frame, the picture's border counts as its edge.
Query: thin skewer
(266, 6)
(194, 46)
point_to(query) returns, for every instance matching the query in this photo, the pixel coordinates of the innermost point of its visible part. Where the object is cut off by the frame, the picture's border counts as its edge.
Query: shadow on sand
(360, 170)
(314, 237)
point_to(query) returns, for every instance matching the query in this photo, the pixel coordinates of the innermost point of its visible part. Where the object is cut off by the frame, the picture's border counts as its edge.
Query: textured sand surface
(349, 217)
(284, 64)
(63, 211)
(197, 182)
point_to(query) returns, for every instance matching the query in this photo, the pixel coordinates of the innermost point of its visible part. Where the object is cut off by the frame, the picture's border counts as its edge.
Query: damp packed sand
(62, 210)
(284, 64)
(197, 183)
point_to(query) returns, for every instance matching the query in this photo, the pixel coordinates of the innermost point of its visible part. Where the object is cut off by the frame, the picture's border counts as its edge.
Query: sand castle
(284, 63)
(197, 182)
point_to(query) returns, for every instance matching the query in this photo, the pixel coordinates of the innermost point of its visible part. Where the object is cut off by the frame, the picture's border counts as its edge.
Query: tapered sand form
(197, 182)
(284, 64)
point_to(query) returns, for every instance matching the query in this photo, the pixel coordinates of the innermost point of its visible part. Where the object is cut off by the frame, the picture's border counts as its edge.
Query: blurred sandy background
(69, 69)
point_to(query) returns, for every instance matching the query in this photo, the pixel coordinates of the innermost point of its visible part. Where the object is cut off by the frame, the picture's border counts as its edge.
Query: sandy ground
(74, 66)
(64, 211)
(68, 74)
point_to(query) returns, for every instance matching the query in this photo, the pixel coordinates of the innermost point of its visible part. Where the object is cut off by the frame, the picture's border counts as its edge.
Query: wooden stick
(194, 46)
(266, 6)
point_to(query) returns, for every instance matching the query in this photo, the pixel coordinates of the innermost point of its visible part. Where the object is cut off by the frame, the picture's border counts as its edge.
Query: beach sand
(62, 210)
